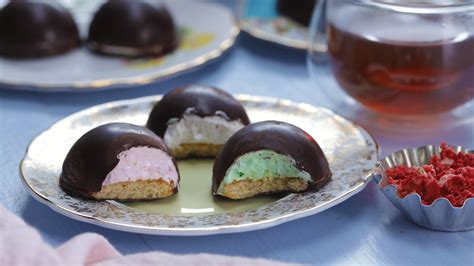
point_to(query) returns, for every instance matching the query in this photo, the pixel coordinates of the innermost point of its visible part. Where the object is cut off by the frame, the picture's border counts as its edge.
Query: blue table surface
(366, 229)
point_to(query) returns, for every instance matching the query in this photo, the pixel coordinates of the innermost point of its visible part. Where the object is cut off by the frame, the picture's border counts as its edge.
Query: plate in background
(260, 19)
(351, 152)
(203, 38)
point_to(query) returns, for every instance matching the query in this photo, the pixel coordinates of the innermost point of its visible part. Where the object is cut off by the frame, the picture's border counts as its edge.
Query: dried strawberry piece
(449, 175)
(432, 192)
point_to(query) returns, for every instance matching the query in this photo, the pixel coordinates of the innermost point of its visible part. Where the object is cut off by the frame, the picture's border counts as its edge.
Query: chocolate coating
(35, 29)
(279, 137)
(132, 28)
(300, 11)
(94, 155)
(198, 100)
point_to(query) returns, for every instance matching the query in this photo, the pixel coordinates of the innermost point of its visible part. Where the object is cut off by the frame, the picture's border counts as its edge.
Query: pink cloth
(21, 244)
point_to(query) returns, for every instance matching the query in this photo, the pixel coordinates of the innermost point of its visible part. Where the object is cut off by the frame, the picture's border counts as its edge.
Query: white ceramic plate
(351, 152)
(203, 39)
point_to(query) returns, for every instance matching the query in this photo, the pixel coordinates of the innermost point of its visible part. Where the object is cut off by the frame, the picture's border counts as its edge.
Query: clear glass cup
(396, 58)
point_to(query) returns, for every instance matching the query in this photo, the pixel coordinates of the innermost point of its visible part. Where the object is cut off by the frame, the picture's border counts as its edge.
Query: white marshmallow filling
(192, 128)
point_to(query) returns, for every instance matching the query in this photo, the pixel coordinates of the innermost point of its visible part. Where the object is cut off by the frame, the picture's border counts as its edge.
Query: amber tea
(403, 71)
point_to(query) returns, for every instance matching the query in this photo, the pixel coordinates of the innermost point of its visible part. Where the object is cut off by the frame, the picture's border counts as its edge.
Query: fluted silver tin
(441, 214)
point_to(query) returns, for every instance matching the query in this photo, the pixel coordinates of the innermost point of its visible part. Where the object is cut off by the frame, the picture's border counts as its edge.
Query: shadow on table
(266, 50)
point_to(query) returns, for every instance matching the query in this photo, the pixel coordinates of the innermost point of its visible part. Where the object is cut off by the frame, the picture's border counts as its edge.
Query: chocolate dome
(280, 137)
(132, 28)
(94, 155)
(35, 29)
(198, 100)
(300, 11)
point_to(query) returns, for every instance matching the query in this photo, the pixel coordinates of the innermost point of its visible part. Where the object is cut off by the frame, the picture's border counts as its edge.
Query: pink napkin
(21, 244)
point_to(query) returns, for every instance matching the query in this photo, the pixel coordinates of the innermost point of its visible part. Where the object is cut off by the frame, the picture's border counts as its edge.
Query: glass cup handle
(317, 35)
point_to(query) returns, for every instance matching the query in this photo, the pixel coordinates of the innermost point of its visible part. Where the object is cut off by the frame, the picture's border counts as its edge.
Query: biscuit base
(137, 190)
(200, 150)
(252, 187)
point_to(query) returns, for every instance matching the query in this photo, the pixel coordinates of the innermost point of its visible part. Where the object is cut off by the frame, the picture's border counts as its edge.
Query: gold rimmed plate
(203, 38)
(351, 152)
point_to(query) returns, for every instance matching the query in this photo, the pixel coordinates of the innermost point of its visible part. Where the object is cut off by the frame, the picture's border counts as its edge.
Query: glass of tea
(403, 58)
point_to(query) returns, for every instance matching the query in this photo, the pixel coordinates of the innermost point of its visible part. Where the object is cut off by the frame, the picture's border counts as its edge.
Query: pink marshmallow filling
(142, 163)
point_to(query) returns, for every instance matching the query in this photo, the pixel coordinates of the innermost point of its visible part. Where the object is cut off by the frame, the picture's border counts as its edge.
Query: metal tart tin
(441, 215)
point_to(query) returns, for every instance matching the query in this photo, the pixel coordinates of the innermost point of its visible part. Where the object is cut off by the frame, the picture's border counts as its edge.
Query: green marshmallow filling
(262, 164)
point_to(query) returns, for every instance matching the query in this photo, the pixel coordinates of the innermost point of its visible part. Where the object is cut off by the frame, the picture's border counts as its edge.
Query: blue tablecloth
(365, 229)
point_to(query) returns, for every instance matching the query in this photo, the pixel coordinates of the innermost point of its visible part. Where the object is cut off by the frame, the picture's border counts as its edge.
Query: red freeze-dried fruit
(449, 175)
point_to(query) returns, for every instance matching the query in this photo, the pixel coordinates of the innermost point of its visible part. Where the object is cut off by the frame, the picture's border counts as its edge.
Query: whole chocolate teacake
(31, 29)
(269, 157)
(132, 28)
(195, 121)
(120, 161)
